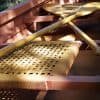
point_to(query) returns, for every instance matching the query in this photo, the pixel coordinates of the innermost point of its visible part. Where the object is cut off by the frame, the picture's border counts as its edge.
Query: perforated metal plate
(36, 61)
(9, 94)
(17, 94)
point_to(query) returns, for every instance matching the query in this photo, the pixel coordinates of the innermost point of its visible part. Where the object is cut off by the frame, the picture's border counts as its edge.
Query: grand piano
(49, 53)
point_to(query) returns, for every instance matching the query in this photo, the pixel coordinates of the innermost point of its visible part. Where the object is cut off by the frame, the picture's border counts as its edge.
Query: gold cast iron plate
(65, 9)
(68, 9)
(35, 62)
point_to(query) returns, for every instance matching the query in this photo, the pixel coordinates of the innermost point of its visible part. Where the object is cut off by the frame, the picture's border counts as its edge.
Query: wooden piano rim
(8, 15)
(70, 82)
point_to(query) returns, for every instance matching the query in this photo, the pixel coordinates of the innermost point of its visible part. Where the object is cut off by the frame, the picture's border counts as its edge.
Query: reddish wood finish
(19, 10)
(13, 24)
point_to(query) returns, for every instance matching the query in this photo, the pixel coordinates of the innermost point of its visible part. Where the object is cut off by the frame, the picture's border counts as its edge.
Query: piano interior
(50, 50)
